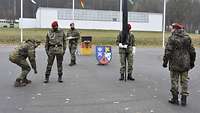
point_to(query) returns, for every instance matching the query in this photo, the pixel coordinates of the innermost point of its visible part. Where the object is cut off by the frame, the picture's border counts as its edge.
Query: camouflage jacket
(55, 42)
(179, 52)
(24, 51)
(130, 42)
(73, 33)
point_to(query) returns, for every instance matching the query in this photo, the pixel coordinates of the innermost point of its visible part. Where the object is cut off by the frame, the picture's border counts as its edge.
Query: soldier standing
(126, 53)
(19, 56)
(73, 36)
(180, 54)
(55, 46)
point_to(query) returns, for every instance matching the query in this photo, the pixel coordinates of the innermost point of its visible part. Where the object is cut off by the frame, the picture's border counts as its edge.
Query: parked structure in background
(93, 19)
(9, 23)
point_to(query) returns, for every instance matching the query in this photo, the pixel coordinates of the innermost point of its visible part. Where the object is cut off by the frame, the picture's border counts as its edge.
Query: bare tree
(154, 6)
(178, 10)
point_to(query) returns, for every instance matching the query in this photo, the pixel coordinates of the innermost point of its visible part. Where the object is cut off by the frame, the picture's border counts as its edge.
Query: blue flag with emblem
(104, 54)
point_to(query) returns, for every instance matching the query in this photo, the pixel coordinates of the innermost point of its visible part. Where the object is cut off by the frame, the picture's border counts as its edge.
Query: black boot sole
(60, 81)
(174, 103)
(121, 79)
(72, 64)
(46, 82)
(183, 104)
(131, 79)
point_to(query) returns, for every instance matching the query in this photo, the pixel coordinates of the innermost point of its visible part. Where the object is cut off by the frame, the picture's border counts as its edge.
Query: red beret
(129, 26)
(71, 24)
(177, 26)
(54, 24)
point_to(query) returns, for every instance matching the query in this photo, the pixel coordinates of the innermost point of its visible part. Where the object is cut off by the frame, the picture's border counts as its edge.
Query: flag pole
(21, 21)
(164, 22)
(73, 9)
(121, 15)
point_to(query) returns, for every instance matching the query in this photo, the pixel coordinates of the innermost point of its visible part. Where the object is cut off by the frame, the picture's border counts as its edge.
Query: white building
(93, 19)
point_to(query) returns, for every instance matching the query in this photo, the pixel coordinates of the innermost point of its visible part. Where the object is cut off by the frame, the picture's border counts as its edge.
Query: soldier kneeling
(19, 56)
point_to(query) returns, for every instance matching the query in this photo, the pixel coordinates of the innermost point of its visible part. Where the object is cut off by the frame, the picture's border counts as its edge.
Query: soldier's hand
(192, 65)
(125, 46)
(35, 71)
(164, 65)
(120, 45)
(134, 49)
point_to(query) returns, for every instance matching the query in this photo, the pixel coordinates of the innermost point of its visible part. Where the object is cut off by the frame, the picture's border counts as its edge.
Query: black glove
(35, 71)
(191, 65)
(164, 64)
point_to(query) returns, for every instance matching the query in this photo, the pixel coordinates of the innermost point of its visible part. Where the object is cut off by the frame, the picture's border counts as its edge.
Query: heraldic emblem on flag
(103, 54)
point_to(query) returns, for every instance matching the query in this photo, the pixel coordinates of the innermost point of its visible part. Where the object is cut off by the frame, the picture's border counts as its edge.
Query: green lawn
(100, 37)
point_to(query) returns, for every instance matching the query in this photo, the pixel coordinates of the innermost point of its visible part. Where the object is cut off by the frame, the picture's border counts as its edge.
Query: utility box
(86, 45)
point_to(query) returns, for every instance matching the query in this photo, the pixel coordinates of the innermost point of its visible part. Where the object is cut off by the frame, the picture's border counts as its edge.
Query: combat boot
(174, 100)
(122, 77)
(73, 62)
(130, 77)
(46, 79)
(60, 79)
(19, 83)
(183, 100)
(27, 81)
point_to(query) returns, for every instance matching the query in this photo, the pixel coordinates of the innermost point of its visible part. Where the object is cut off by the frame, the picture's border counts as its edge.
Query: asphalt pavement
(91, 88)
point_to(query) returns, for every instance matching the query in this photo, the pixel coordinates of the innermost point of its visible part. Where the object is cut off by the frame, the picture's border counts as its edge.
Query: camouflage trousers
(72, 50)
(59, 58)
(129, 60)
(24, 67)
(177, 77)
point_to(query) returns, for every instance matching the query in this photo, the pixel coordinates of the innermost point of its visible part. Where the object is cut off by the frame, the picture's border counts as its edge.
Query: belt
(56, 45)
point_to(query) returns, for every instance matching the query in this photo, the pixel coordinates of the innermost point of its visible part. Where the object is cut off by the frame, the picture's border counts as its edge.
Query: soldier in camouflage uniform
(126, 53)
(19, 56)
(55, 46)
(73, 43)
(180, 54)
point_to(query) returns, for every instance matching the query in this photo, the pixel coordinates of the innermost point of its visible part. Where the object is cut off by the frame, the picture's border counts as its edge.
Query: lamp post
(21, 21)
(164, 22)
(22, 9)
(73, 9)
(121, 14)
(34, 6)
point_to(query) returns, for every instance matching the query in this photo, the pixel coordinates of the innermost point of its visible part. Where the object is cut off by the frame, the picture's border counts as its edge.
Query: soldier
(55, 46)
(73, 37)
(180, 54)
(126, 53)
(19, 56)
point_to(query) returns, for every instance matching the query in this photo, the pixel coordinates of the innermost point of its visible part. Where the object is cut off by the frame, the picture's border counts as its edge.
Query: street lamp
(21, 21)
(34, 6)
(33, 1)
(164, 22)
(22, 18)
(73, 10)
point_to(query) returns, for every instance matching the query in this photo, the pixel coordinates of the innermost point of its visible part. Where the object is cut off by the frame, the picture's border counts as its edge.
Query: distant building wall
(94, 19)
(28, 23)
